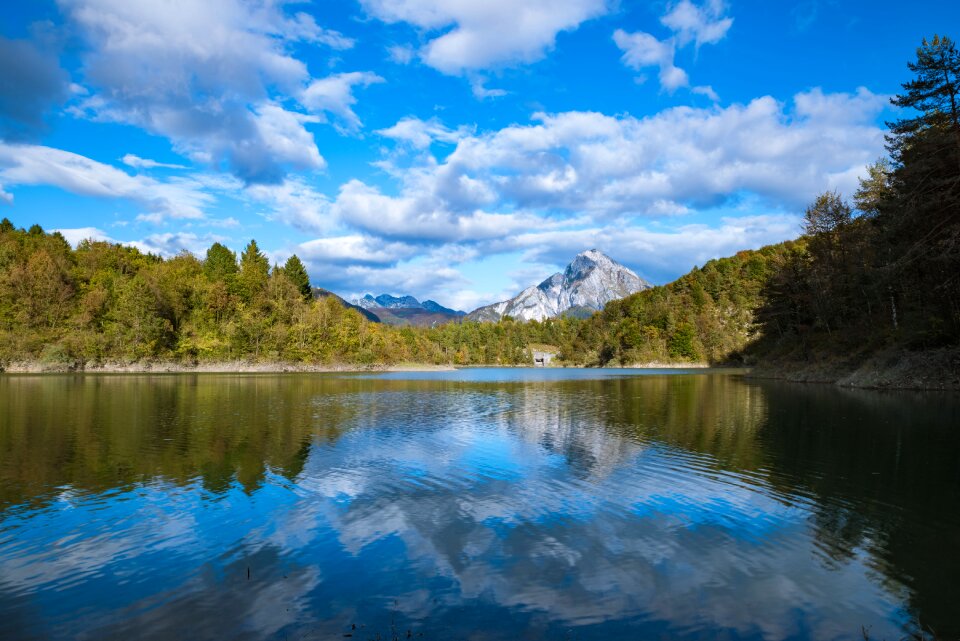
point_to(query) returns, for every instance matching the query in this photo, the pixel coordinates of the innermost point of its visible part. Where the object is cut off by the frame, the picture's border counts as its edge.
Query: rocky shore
(893, 369)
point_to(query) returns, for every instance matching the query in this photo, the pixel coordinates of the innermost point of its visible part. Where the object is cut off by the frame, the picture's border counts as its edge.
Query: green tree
(827, 214)
(933, 94)
(254, 272)
(296, 273)
(220, 264)
(875, 189)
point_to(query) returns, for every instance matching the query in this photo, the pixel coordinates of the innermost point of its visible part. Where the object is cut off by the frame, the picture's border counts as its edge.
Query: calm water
(479, 504)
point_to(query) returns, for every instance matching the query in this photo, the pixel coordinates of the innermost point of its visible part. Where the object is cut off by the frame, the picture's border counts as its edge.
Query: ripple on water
(547, 505)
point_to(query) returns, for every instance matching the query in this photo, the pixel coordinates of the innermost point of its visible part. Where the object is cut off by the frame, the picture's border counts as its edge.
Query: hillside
(706, 315)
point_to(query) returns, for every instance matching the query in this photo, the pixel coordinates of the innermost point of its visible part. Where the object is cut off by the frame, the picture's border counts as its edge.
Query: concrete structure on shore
(543, 359)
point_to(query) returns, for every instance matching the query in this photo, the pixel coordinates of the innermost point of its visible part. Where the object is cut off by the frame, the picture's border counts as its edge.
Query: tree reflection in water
(652, 504)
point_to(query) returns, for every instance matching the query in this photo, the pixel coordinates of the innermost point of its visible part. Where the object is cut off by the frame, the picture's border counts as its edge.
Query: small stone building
(542, 359)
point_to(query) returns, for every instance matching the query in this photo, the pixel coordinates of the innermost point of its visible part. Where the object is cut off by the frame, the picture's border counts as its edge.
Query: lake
(474, 504)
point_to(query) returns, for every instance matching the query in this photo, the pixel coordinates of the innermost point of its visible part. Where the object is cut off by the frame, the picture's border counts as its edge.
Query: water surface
(476, 504)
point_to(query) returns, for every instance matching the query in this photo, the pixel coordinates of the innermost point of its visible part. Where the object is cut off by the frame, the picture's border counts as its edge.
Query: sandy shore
(221, 367)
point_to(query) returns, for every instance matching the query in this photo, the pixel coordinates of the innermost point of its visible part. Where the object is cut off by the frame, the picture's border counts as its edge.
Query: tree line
(108, 302)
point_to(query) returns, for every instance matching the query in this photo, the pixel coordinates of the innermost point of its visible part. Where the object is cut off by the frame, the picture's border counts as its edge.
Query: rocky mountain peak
(588, 283)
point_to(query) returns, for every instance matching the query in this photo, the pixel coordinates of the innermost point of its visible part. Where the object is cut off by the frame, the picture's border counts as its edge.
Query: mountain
(588, 283)
(320, 292)
(386, 301)
(433, 306)
(407, 310)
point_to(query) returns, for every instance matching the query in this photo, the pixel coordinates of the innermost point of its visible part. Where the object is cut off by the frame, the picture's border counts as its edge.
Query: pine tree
(933, 93)
(254, 272)
(296, 273)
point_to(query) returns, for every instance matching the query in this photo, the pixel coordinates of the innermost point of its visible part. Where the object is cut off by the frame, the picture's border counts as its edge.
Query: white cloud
(418, 218)
(401, 54)
(701, 25)
(210, 76)
(706, 90)
(355, 249)
(38, 165)
(689, 23)
(5, 197)
(295, 203)
(422, 133)
(137, 162)
(165, 244)
(335, 94)
(484, 35)
(75, 235)
(481, 91)
(642, 50)
(578, 163)
(172, 243)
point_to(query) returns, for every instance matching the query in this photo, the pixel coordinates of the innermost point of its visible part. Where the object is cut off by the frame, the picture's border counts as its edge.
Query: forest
(880, 271)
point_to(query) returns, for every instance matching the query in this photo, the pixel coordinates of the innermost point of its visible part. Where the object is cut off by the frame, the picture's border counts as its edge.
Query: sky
(455, 150)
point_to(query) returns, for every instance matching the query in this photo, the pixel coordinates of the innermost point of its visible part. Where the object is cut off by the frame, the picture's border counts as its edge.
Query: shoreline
(282, 367)
(214, 367)
(893, 370)
(932, 370)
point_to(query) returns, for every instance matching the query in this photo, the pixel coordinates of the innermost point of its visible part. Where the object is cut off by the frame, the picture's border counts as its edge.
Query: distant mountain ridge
(407, 310)
(587, 284)
(320, 292)
(387, 301)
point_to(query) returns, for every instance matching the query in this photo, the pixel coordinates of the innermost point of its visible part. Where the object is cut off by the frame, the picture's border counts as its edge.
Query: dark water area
(477, 504)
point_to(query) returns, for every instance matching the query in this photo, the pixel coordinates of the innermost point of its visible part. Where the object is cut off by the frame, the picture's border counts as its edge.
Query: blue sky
(450, 149)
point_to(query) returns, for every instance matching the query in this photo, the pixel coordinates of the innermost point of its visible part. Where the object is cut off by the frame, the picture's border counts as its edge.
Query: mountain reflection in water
(488, 504)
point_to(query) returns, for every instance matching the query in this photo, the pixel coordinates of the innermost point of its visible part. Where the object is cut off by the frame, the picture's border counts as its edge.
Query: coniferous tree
(934, 94)
(296, 273)
(254, 272)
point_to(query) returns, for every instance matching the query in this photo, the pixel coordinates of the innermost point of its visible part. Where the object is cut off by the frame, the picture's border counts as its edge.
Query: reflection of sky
(446, 513)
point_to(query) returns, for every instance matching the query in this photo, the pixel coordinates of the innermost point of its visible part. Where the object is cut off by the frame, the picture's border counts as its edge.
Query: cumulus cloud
(689, 23)
(353, 249)
(642, 50)
(422, 133)
(484, 35)
(38, 165)
(217, 93)
(31, 81)
(418, 218)
(334, 94)
(76, 235)
(698, 24)
(294, 203)
(609, 166)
